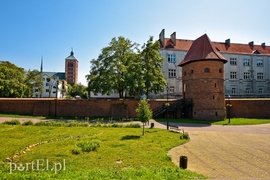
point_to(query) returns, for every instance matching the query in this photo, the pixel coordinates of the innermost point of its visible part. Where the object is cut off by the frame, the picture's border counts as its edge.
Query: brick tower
(71, 69)
(203, 80)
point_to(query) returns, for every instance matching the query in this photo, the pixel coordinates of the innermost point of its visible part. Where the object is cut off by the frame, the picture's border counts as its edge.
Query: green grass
(122, 153)
(233, 121)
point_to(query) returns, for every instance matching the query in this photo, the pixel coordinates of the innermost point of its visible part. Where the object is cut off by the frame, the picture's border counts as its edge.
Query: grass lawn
(122, 153)
(233, 121)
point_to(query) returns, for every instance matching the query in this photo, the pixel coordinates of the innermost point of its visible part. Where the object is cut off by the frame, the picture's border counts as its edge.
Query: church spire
(41, 65)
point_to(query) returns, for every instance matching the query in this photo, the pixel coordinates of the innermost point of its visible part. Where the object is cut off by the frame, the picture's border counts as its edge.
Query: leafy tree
(109, 71)
(151, 67)
(122, 67)
(11, 80)
(78, 90)
(33, 81)
(144, 112)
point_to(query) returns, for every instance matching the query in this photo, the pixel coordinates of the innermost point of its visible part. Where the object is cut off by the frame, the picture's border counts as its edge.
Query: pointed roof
(202, 49)
(71, 56)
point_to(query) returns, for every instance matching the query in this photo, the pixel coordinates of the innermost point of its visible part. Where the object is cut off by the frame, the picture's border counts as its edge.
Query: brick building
(203, 80)
(71, 69)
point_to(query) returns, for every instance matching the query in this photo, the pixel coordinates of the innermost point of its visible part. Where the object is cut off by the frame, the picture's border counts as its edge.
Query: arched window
(206, 70)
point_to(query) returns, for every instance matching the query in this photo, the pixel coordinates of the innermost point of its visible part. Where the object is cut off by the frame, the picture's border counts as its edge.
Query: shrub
(76, 151)
(131, 125)
(28, 123)
(89, 146)
(12, 122)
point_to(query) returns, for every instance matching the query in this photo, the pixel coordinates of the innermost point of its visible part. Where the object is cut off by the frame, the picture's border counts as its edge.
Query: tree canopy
(11, 80)
(33, 81)
(122, 66)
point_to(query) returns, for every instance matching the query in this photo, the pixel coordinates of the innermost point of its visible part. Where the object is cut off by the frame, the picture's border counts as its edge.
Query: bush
(76, 151)
(28, 123)
(12, 122)
(131, 125)
(89, 146)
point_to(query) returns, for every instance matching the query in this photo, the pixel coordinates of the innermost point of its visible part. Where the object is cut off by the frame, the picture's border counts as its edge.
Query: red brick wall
(250, 108)
(64, 107)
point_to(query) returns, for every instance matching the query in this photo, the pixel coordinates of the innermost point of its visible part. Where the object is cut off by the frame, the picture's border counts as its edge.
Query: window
(233, 90)
(233, 61)
(206, 70)
(47, 90)
(172, 73)
(246, 62)
(70, 64)
(246, 75)
(220, 70)
(260, 90)
(247, 91)
(233, 75)
(259, 62)
(171, 89)
(259, 75)
(36, 90)
(192, 71)
(171, 58)
(47, 84)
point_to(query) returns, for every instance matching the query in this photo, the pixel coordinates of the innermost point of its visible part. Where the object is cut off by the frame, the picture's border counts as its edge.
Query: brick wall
(250, 108)
(65, 107)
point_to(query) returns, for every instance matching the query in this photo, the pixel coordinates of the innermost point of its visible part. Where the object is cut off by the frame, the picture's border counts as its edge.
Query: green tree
(144, 112)
(78, 90)
(11, 80)
(34, 82)
(151, 67)
(109, 71)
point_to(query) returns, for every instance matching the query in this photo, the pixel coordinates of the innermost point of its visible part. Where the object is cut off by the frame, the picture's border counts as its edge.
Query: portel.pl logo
(38, 165)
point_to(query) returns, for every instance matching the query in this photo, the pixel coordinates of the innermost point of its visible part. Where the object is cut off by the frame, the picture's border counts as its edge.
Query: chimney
(227, 42)
(251, 43)
(161, 37)
(173, 38)
(263, 45)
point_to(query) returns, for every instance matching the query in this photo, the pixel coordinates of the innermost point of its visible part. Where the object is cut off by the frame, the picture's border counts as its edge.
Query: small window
(259, 62)
(206, 70)
(171, 58)
(259, 75)
(47, 90)
(260, 90)
(233, 90)
(246, 75)
(192, 71)
(246, 62)
(172, 73)
(213, 96)
(247, 91)
(233, 75)
(233, 61)
(215, 85)
(220, 70)
(171, 89)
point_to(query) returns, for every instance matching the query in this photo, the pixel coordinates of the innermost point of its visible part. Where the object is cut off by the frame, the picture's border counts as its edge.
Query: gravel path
(226, 152)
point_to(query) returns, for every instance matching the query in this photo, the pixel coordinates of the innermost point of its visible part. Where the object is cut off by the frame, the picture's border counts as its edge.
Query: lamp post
(167, 104)
(229, 108)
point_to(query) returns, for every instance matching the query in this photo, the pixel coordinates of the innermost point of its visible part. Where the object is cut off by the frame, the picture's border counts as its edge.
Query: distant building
(71, 69)
(247, 73)
(55, 83)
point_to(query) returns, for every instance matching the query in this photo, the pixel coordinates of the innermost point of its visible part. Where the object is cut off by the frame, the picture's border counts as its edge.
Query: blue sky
(30, 29)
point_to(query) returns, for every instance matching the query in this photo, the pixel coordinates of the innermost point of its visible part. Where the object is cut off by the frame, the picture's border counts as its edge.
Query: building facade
(246, 74)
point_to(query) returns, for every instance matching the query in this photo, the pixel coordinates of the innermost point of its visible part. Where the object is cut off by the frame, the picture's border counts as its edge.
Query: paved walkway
(226, 152)
(221, 152)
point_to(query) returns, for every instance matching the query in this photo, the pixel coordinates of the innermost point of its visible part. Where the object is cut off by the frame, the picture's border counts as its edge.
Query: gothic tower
(71, 69)
(203, 80)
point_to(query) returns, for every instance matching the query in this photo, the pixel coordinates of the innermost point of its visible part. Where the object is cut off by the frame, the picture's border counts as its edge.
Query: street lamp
(167, 104)
(229, 108)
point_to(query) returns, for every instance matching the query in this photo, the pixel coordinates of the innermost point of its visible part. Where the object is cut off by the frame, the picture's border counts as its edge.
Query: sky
(32, 29)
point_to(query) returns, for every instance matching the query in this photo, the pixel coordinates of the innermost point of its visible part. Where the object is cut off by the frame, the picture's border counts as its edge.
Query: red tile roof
(236, 48)
(202, 49)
